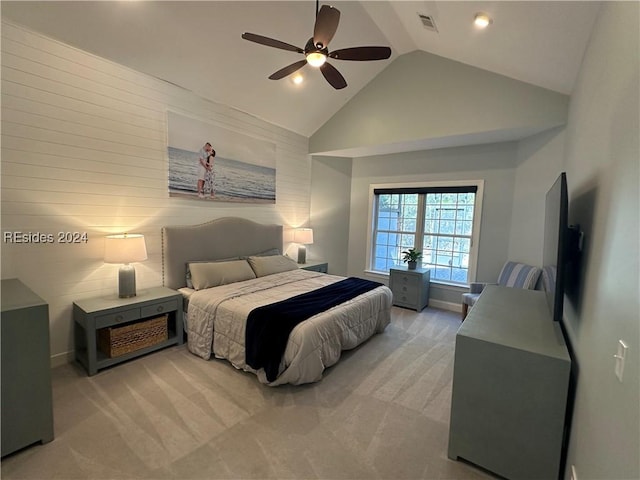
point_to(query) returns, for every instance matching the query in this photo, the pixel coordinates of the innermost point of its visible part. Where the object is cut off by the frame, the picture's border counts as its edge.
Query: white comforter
(217, 319)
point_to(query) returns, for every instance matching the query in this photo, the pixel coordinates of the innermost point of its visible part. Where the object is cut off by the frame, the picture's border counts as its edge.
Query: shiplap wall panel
(99, 113)
(64, 113)
(139, 154)
(56, 124)
(84, 150)
(52, 156)
(113, 102)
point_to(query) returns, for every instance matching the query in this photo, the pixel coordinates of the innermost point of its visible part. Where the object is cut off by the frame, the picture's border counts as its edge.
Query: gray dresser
(27, 410)
(410, 288)
(510, 386)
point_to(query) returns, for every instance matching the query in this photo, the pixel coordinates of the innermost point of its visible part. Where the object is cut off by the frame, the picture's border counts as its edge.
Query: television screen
(556, 229)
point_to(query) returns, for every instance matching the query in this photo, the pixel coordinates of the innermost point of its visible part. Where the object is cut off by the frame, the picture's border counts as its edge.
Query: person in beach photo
(203, 156)
(210, 176)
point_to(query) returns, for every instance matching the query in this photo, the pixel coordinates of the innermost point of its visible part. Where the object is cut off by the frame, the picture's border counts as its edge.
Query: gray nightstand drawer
(404, 300)
(118, 317)
(409, 290)
(159, 308)
(409, 281)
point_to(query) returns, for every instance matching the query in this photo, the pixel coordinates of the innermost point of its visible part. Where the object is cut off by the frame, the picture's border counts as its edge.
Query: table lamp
(125, 249)
(303, 236)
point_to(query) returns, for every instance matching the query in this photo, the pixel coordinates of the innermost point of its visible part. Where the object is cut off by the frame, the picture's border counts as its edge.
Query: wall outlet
(574, 475)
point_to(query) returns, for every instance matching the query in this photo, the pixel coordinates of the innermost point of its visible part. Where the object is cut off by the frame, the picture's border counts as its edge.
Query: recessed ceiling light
(297, 79)
(482, 20)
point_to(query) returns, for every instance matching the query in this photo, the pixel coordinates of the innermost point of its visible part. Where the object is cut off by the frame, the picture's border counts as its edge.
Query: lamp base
(302, 254)
(127, 281)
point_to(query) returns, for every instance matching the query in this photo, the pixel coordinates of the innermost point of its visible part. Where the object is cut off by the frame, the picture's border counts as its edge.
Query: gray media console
(510, 385)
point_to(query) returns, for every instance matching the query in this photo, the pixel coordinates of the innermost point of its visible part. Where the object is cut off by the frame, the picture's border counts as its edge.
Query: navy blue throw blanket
(269, 326)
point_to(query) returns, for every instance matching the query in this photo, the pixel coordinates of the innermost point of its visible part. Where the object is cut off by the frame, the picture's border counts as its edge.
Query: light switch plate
(620, 356)
(574, 474)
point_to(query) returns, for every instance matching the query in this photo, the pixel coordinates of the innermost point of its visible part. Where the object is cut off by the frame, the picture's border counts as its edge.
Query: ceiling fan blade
(288, 70)
(361, 53)
(326, 25)
(333, 76)
(270, 42)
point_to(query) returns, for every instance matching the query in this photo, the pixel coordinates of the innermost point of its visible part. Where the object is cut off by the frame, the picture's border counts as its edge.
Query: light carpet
(381, 413)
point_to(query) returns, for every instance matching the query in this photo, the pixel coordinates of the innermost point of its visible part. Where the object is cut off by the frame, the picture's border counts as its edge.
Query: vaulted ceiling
(198, 45)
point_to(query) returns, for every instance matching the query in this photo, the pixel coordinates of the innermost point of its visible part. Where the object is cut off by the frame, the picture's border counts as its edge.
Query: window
(442, 220)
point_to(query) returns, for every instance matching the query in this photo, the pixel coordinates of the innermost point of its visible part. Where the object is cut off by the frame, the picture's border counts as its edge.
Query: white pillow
(272, 264)
(213, 274)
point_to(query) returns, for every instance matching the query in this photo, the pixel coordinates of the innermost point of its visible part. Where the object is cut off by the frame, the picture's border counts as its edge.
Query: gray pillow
(266, 253)
(213, 274)
(188, 275)
(272, 264)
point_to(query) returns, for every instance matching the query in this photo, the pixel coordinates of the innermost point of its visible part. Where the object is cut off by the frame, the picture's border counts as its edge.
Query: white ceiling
(198, 45)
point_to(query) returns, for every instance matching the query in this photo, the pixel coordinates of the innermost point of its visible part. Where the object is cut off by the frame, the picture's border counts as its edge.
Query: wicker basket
(116, 341)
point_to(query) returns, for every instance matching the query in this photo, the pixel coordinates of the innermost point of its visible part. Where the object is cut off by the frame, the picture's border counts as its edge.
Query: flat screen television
(555, 249)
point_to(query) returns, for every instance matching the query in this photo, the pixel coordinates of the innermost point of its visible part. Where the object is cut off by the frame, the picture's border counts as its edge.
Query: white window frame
(477, 220)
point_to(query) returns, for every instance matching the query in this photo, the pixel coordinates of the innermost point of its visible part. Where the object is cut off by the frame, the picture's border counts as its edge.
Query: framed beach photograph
(210, 163)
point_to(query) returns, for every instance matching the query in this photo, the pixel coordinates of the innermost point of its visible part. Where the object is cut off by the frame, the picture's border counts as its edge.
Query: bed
(247, 303)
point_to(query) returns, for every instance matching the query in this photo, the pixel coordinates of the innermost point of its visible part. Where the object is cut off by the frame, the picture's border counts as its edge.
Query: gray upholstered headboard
(226, 237)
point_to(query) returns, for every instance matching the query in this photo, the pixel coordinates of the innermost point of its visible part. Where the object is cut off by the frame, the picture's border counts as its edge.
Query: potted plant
(411, 257)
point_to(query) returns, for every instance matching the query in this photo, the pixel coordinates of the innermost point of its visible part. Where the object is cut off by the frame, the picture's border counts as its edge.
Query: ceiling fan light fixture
(482, 20)
(316, 51)
(316, 59)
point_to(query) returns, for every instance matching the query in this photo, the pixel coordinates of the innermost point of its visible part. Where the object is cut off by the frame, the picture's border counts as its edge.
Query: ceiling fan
(316, 50)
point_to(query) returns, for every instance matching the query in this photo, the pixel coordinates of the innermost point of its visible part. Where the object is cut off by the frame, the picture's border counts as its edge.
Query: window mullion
(420, 222)
(376, 206)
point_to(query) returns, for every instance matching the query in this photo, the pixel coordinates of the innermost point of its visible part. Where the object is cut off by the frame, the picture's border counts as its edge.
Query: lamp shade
(303, 236)
(125, 248)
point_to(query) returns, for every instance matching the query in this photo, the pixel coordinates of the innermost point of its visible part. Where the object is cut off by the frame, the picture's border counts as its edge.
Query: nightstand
(315, 266)
(410, 288)
(93, 314)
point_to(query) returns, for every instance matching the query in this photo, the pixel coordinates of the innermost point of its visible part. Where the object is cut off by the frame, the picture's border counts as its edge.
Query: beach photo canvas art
(210, 163)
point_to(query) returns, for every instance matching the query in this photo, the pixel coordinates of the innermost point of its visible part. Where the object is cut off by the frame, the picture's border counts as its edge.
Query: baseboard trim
(453, 307)
(61, 359)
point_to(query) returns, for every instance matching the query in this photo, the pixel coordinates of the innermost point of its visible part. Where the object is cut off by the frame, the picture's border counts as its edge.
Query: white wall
(421, 98)
(540, 161)
(602, 164)
(330, 197)
(493, 163)
(84, 149)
